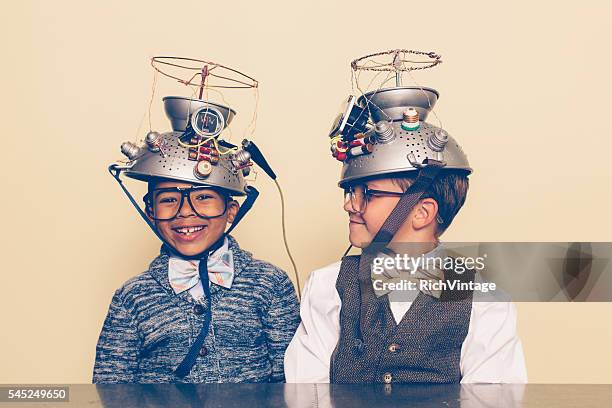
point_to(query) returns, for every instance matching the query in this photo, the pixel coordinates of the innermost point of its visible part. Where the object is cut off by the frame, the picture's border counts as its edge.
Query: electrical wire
(153, 87)
(428, 101)
(295, 270)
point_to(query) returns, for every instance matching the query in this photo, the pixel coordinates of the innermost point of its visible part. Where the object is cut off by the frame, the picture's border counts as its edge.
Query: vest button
(387, 378)
(358, 345)
(198, 309)
(393, 347)
(203, 351)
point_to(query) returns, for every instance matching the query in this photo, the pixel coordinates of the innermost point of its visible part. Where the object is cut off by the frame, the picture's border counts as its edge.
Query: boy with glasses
(205, 310)
(403, 187)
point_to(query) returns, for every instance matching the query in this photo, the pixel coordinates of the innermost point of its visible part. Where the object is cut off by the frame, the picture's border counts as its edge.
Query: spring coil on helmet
(384, 132)
(437, 140)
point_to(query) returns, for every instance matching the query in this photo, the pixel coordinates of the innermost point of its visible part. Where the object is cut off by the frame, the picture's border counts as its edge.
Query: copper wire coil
(411, 116)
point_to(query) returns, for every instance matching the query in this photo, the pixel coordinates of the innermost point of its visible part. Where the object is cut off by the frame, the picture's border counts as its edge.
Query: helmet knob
(384, 132)
(153, 140)
(202, 169)
(437, 140)
(130, 150)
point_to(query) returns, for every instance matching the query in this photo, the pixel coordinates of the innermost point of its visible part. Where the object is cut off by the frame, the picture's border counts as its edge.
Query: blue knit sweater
(149, 328)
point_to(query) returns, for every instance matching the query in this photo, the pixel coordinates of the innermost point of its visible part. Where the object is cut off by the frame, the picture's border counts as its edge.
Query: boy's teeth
(189, 230)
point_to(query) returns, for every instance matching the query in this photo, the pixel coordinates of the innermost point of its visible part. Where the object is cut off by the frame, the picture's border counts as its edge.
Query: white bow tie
(183, 274)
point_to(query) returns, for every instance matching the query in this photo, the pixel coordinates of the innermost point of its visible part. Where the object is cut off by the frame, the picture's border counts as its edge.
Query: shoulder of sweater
(265, 270)
(136, 285)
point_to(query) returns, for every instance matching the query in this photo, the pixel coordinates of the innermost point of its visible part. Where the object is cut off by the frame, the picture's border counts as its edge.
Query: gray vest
(425, 347)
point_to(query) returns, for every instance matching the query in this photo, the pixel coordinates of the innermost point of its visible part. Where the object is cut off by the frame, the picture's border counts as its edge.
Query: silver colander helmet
(392, 141)
(176, 156)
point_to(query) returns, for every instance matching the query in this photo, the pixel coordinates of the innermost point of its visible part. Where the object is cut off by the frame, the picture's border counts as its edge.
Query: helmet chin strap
(252, 194)
(410, 198)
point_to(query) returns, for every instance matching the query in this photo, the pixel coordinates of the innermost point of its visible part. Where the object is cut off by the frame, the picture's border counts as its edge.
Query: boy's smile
(189, 233)
(365, 224)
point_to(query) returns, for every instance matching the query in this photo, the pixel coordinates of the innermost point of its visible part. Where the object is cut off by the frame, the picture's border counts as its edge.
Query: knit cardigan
(148, 329)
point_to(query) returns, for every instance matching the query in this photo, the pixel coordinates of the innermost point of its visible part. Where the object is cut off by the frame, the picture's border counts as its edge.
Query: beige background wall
(524, 86)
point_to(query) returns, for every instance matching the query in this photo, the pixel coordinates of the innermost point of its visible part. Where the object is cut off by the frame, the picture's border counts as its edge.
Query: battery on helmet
(360, 150)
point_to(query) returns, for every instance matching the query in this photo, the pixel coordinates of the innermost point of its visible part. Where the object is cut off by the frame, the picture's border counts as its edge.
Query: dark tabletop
(325, 395)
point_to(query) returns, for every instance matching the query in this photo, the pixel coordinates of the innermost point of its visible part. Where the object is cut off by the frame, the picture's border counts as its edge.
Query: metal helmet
(384, 132)
(185, 154)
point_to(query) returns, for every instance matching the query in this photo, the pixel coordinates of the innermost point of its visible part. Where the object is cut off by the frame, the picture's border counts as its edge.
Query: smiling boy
(400, 196)
(205, 310)
(187, 234)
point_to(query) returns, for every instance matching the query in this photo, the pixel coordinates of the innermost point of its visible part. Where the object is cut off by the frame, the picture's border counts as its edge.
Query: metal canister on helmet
(130, 150)
(153, 141)
(411, 120)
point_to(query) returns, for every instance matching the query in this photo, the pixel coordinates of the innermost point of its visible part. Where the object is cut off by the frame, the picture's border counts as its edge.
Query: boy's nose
(348, 207)
(185, 210)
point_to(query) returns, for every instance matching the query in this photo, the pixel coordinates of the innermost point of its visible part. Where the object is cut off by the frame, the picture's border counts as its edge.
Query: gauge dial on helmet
(352, 119)
(207, 121)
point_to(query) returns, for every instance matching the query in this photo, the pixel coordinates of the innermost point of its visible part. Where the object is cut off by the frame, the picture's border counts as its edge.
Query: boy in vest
(404, 181)
(206, 310)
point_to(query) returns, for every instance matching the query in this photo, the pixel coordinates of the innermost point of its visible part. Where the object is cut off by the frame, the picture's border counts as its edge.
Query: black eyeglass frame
(371, 192)
(185, 192)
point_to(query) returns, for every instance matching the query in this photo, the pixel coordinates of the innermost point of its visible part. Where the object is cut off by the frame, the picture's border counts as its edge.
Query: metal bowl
(179, 108)
(390, 103)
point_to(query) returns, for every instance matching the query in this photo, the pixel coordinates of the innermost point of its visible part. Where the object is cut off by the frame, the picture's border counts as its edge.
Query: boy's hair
(449, 189)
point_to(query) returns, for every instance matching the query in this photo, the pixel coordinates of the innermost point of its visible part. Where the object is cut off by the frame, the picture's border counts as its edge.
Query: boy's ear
(425, 213)
(232, 209)
(148, 213)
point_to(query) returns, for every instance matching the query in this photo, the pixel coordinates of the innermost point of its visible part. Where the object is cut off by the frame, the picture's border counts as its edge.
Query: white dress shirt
(491, 351)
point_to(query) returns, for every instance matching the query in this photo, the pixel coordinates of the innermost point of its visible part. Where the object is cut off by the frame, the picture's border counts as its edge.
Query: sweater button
(393, 347)
(203, 351)
(198, 309)
(387, 378)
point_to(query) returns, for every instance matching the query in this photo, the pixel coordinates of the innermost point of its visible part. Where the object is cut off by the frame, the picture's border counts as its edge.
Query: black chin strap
(252, 195)
(390, 227)
(401, 210)
(190, 358)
